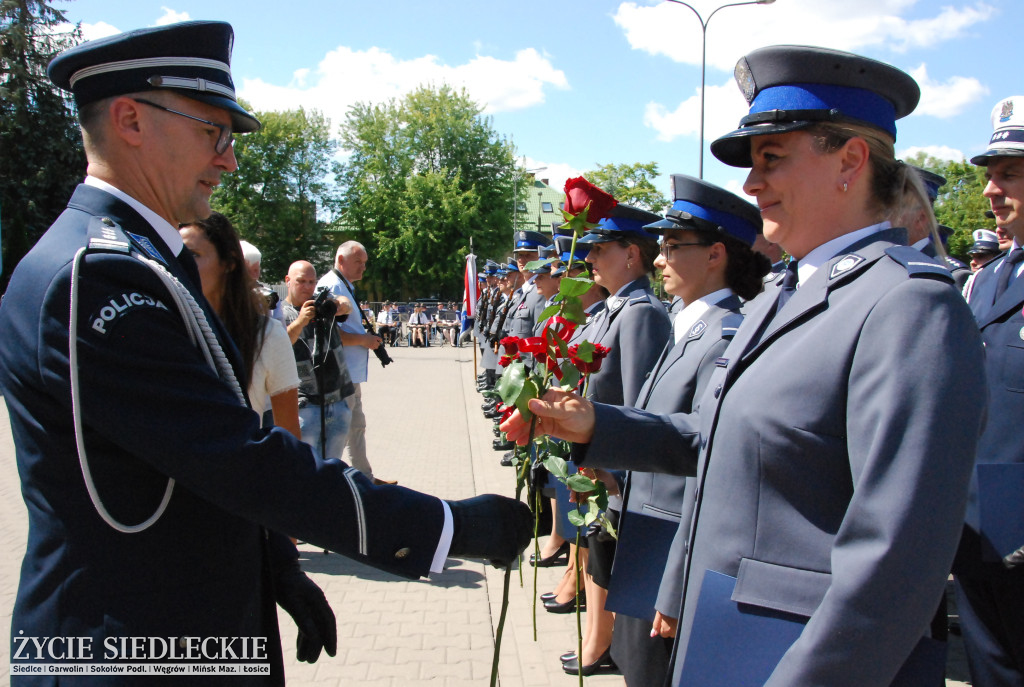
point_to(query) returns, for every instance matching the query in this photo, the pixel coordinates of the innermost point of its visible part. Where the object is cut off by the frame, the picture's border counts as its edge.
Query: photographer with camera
(349, 266)
(324, 379)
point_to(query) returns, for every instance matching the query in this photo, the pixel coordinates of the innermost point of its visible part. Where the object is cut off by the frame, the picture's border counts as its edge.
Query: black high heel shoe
(604, 662)
(567, 656)
(547, 596)
(559, 557)
(568, 607)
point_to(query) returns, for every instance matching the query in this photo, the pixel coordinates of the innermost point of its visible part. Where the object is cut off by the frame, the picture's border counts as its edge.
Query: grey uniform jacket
(833, 470)
(678, 378)
(635, 327)
(522, 314)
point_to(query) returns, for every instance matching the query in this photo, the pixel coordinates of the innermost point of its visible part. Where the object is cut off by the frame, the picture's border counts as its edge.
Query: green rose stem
(520, 482)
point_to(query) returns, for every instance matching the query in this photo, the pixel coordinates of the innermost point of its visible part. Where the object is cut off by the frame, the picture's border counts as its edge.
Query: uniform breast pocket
(1013, 366)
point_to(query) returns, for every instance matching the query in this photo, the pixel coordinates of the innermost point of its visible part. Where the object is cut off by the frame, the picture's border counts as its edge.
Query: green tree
(280, 197)
(630, 184)
(41, 155)
(960, 205)
(422, 176)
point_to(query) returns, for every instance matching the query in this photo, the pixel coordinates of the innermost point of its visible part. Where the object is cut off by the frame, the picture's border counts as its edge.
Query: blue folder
(640, 557)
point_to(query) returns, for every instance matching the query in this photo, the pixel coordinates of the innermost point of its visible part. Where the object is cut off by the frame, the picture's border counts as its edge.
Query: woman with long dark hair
(262, 341)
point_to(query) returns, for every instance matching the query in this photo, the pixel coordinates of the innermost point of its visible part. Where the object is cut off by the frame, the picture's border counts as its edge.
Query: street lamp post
(703, 62)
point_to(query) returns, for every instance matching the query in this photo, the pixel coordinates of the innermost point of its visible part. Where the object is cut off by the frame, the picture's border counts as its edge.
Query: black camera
(382, 356)
(268, 294)
(324, 304)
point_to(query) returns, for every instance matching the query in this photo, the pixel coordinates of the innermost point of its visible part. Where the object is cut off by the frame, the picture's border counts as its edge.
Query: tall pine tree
(41, 155)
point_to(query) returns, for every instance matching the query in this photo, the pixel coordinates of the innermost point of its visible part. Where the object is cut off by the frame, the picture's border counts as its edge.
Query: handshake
(491, 527)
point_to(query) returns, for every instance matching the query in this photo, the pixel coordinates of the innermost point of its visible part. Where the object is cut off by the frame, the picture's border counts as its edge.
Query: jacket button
(402, 552)
(718, 391)
(182, 642)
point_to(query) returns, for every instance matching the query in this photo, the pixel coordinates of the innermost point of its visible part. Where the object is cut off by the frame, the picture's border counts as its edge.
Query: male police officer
(154, 498)
(990, 598)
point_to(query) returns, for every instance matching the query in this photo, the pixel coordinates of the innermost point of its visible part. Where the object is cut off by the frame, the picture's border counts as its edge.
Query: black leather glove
(308, 607)
(1015, 559)
(492, 527)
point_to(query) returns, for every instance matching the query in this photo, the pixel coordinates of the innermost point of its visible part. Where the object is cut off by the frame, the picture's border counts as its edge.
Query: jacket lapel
(1011, 299)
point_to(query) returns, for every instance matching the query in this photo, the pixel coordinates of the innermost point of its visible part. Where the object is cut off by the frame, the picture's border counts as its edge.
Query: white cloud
(98, 30)
(171, 17)
(723, 107)
(556, 172)
(672, 30)
(736, 186)
(938, 152)
(947, 99)
(346, 76)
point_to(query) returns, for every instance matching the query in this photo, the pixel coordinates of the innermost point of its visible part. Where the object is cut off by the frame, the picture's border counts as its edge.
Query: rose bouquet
(557, 364)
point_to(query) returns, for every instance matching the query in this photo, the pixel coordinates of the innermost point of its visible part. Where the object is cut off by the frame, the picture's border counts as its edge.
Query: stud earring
(845, 186)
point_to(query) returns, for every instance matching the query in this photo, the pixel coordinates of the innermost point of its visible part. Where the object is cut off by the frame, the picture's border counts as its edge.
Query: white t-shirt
(274, 369)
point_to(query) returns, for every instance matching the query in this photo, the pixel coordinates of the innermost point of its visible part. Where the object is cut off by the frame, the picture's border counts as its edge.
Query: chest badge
(697, 329)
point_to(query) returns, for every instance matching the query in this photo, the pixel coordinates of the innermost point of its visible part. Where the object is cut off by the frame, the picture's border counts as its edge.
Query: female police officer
(832, 470)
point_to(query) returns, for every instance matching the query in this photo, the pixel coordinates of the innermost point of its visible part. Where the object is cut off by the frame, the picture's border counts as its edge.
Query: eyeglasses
(667, 248)
(224, 140)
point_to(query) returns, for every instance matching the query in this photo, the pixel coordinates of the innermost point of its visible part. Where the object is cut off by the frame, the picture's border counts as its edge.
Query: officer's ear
(127, 120)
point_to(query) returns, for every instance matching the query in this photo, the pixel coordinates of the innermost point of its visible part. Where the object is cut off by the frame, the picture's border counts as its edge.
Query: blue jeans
(337, 417)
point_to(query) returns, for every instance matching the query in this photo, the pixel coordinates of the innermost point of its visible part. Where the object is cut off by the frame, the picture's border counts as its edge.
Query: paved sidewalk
(425, 430)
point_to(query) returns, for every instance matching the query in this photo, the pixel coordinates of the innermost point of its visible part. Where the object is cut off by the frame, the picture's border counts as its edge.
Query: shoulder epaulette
(918, 264)
(731, 324)
(106, 235)
(639, 296)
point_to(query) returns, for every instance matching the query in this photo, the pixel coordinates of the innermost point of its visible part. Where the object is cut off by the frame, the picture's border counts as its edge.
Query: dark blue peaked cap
(192, 59)
(932, 182)
(791, 87)
(531, 240)
(625, 221)
(700, 206)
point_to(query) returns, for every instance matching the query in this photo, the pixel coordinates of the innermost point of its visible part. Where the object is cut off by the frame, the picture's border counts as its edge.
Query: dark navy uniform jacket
(995, 516)
(832, 475)
(152, 409)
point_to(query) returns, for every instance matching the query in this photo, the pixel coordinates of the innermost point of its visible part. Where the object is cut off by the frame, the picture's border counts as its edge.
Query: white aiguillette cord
(202, 337)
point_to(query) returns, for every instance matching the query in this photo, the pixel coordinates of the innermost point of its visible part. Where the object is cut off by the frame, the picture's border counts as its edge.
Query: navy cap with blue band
(625, 221)
(792, 87)
(703, 207)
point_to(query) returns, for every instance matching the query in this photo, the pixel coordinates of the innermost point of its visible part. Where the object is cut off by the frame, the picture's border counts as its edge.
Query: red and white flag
(469, 292)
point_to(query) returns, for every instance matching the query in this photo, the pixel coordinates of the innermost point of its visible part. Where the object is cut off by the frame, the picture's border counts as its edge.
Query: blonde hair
(896, 189)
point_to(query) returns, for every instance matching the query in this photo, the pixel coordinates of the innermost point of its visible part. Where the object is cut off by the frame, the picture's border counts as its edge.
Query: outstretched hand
(559, 413)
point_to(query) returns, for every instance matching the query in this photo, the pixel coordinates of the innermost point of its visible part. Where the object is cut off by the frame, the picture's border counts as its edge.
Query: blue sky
(586, 82)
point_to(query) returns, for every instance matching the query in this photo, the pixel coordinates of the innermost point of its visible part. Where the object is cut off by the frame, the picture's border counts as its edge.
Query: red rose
(594, 364)
(511, 344)
(505, 361)
(580, 193)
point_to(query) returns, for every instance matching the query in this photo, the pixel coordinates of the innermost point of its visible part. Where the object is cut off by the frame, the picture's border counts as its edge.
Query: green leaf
(573, 311)
(557, 467)
(576, 518)
(585, 351)
(510, 385)
(580, 483)
(549, 311)
(528, 391)
(534, 265)
(574, 286)
(558, 447)
(570, 375)
(590, 517)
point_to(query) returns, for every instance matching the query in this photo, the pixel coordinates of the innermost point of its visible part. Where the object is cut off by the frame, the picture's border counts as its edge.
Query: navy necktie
(1009, 266)
(789, 282)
